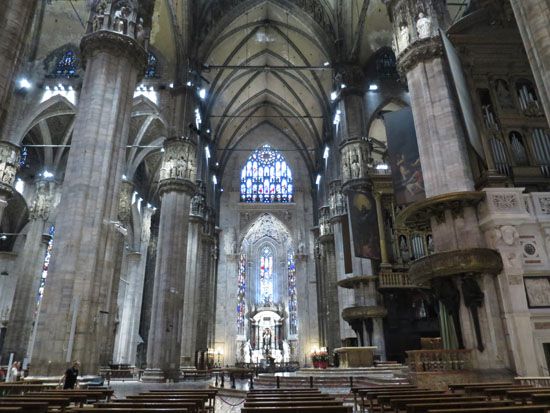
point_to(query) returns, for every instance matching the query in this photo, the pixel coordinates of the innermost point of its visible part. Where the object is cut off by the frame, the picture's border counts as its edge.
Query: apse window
(266, 177)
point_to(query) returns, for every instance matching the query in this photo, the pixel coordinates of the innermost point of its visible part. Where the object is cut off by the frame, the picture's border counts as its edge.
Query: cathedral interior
(188, 185)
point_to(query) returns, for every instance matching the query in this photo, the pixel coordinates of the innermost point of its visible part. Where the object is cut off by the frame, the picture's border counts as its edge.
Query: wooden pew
(293, 403)
(524, 395)
(189, 406)
(425, 407)
(399, 403)
(483, 389)
(501, 391)
(27, 406)
(311, 409)
(60, 402)
(128, 410)
(76, 398)
(460, 386)
(372, 395)
(200, 402)
(95, 394)
(210, 392)
(355, 390)
(505, 409)
(383, 400)
(13, 409)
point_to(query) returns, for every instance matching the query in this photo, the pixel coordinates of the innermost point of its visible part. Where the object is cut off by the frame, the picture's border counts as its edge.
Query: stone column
(133, 278)
(15, 22)
(29, 269)
(76, 315)
(193, 294)
(532, 18)
(176, 187)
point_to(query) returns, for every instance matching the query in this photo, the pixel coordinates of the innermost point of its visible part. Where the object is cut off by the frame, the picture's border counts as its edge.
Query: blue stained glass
(292, 297)
(66, 66)
(152, 67)
(23, 155)
(266, 177)
(266, 277)
(241, 294)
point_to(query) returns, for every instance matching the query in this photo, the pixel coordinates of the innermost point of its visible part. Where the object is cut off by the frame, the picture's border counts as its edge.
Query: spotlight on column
(24, 83)
(189, 83)
(326, 64)
(318, 180)
(382, 167)
(3, 237)
(326, 153)
(202, 93)
(333, 96)
(373, 87)
(207, 152)
(214, 180)
(47, 174)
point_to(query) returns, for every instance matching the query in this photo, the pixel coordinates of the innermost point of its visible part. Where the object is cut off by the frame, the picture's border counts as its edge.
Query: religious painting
(364, 225)
(405, 165)
(537, 290)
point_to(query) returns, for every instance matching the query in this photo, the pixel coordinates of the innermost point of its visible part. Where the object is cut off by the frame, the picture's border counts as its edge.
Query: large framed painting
(537, 290)
(364, 225)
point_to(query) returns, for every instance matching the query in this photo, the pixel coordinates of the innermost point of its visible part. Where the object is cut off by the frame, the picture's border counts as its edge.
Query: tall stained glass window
(152, 67)
(45, 267)
(66, 66)
(292, 299)
(241, 294)
(266, 276)
(266, 177)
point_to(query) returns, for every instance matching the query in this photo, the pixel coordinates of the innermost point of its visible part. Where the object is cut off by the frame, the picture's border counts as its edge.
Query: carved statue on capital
(178, 162)
(325, 227)
(337, 202)
(355, 160)
(44, 199)
(9, 162)
(423, 26)
(125, 201)
(121, 16)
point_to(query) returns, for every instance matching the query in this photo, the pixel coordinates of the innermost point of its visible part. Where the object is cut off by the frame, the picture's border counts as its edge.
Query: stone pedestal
(77, 310)
(177, 186)
(351, 357)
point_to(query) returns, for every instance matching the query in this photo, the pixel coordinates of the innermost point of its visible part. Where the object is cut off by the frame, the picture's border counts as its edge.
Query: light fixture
(343, 86)
(24, 83)
(124, 177)
(214, 180)
(19, 185)
(207, 130)
(326, 153)
(171, 86)
(333, 96)
(189, 83)
(318, 180)
(4, 237)
(373, 87)
(162, 150)
(47, 174)
(337, 117)
(207, 151)
(326, 64)
(382, 167)
(202, 93)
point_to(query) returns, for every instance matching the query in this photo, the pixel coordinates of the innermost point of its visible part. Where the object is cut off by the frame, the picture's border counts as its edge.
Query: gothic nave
(188, 185)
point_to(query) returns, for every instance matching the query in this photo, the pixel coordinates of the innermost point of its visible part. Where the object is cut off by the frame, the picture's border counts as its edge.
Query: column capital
(416, 30)
(125, 201)
(116, 44)
(178, 169)
(325, 226)
(337, 201)
(355, 162)
(44, 199)
(9, 162)
(352, 77)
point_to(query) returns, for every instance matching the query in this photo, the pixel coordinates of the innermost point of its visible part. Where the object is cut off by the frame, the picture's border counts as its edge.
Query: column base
(153, 376)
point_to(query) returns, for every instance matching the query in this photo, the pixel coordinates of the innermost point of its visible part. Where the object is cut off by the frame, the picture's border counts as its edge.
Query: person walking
(70, 378)
(14, 372)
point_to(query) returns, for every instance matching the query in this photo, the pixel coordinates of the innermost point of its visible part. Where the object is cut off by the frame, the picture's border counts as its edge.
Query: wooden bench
(211, 393)
(482, 390)
(526, 394)
(129, 410)
(293, 403)
(95, 394)
(27, 406)
(12, 409)
(505, 409)
(383, 400)
(198, 401)
(372, 396)
(311, 409)
(355, 390)
(398, 404)
(60, 402)
(501, 391)
(189, 406)
(425, 407)
(460, 386)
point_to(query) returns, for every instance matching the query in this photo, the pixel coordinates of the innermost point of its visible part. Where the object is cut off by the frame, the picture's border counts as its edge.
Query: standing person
(14, 373)
(71, 376)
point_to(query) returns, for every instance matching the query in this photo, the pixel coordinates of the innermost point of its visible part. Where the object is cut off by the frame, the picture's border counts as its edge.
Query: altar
(356, 356)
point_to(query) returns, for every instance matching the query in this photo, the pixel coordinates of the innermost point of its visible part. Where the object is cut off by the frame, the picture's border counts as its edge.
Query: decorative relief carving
(337, 201)
(44, 200)
(121, 16)
(125, 201)
(503, 202)
(355, 160)
(544, 203)
(325, 227)
(178, 162)
(9, 161)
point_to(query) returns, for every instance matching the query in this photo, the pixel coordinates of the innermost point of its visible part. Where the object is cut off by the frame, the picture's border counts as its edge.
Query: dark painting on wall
(408, 181)
(364, 225)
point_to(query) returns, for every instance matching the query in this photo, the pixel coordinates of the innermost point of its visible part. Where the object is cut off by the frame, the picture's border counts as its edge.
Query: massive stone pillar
(195, 270)
(532, 18)
(176, 187)
(76, 316)
(15, 22)
(130, 293)
(461, 268)
(29, 269)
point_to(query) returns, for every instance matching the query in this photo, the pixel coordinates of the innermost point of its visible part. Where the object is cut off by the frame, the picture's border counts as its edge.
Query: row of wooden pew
(292, 401)
(42, 400)
(503, 397)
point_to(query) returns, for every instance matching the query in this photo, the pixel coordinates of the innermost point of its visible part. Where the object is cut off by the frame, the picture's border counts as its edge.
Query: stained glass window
(45, 266)
(66, 66)
(241, 294)
(152, 67)
(266, 276)
(292, 299)
(23, 155)
(266, 177)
